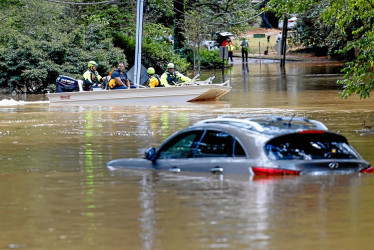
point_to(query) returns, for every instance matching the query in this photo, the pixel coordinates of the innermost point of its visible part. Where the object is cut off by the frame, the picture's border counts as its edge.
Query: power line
(228, 13)
(249, 8)
(240, 21)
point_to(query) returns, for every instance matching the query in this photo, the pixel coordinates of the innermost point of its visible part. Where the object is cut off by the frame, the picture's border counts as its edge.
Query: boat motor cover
(66, 84)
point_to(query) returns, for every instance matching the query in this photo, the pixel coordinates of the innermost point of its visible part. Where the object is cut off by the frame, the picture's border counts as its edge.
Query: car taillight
(367, 170)
(312, 132)
(273, 171)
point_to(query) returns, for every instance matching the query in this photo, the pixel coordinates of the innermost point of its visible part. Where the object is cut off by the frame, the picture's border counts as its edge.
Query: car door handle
(174, 169)
(216, 170)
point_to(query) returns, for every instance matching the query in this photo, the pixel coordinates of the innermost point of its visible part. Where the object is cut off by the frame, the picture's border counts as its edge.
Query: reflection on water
(58, 193)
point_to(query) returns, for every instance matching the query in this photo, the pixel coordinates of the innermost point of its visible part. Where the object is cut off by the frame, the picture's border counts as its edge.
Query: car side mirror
(150, 154)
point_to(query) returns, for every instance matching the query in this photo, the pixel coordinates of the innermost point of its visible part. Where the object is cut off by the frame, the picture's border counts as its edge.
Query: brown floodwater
(58, 194)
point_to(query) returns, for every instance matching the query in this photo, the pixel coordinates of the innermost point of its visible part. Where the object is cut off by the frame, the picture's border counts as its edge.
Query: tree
(355, 19)
(179, 15)
(196, 30)
(223, 15)
(228, 15)
(39, 43)
(93, 3)
(352, 20)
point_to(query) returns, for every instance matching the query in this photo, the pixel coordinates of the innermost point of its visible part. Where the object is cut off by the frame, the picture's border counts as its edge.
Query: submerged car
(253, 146)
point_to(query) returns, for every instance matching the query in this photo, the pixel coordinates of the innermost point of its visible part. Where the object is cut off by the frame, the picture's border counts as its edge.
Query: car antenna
(289, 122)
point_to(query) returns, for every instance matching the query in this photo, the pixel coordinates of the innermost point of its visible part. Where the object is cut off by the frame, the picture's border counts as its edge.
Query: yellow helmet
(151, 70)
(92, 63)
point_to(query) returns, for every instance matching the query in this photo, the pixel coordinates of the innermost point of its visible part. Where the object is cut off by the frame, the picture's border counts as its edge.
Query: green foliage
(32, 58)
(196, 31)
(359, 74)
(158, 55)
(155, 31)
(7, 3)
(210, 59)
(287, 7)
(119, 16)
(343, 26)
(160, 12)
(354, 19)
(40, 40)
(155, 53)
(35, 64)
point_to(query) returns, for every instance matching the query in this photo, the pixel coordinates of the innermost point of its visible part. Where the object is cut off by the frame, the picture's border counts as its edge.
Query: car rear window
(310, 146)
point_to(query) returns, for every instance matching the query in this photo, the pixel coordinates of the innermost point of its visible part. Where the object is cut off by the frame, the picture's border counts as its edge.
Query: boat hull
(193, 93)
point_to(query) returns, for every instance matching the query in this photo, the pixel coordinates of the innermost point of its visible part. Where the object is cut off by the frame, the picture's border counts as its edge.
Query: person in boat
(153, 79)
(119, 78)
(92, 79)
(172, 77)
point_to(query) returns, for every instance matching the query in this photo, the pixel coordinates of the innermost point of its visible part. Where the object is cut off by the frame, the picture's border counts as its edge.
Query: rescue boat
(194, 91)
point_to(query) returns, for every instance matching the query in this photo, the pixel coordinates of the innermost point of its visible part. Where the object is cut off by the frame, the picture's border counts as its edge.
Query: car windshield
(181, 146)
(310, 146)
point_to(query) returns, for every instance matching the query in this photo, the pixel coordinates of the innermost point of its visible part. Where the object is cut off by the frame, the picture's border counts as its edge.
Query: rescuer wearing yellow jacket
(91, 77)
(172, 77)
(154, 79)
(230, 47)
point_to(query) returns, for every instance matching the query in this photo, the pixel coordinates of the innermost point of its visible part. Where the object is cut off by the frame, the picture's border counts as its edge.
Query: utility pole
(139, 41)
(284, 42)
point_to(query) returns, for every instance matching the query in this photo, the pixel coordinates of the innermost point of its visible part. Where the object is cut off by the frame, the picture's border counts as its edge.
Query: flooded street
(58, 194)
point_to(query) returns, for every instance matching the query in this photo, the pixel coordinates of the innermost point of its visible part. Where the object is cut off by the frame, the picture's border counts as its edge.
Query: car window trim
(235, 139)
(198, 143)
(241, 145)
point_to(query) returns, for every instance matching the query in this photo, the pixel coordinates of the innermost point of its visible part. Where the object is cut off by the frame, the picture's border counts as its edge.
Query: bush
(154, 53)
(210, 59)
(40, 40)
(30, 65)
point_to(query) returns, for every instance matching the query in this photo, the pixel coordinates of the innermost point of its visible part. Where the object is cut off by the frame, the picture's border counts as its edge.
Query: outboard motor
(66, 84)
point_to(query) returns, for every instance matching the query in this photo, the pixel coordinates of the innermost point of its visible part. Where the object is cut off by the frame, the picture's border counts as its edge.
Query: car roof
(268, 125)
